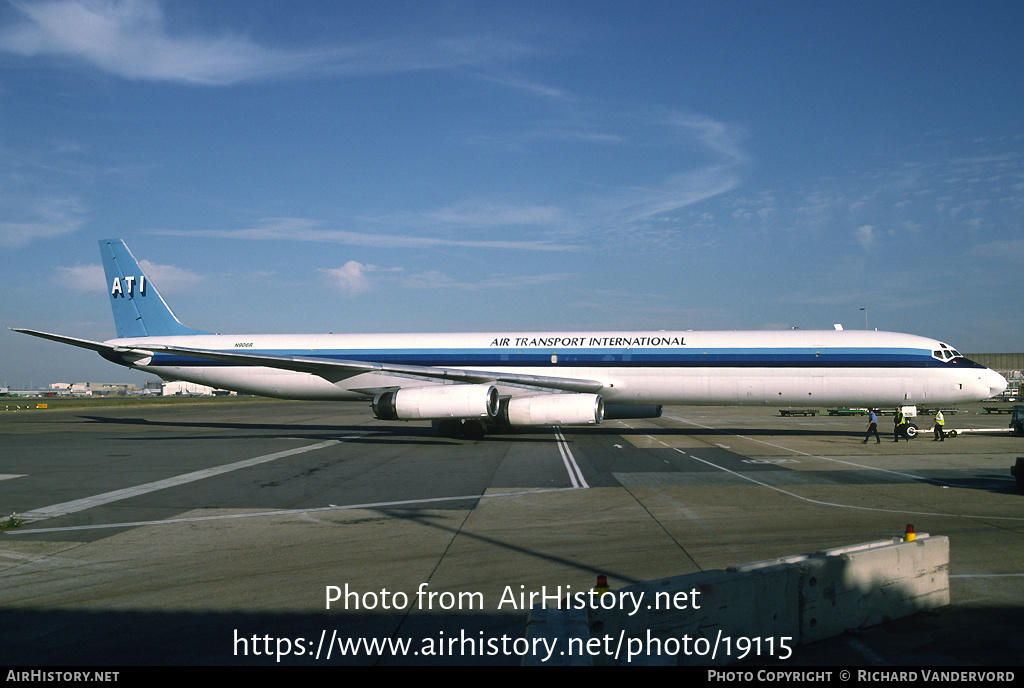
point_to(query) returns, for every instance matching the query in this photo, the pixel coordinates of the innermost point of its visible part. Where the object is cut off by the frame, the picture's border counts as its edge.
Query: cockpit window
(945, 353)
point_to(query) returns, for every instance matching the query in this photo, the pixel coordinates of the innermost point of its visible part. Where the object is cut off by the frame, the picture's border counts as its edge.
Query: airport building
(182, 388)
(1009, 366)
(86, 389)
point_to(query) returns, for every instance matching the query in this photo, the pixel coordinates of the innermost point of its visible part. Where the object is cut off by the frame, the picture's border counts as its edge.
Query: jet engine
(442, 401)
(553, 409)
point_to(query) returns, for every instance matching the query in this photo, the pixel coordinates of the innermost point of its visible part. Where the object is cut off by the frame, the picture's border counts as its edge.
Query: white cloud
(685, 189)
(91, 279)
(718, 136)
(866, 236)
(350, 278)
(718, 142)
(169, 279)
(44, 219)
(1011, 250)
(82, 278)
(488, 215)
(353, 278)
(130, 38)
(301, 229)
(434, 279)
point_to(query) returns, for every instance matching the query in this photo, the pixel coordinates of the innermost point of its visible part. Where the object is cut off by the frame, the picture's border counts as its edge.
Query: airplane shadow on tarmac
(377, 434)
(407, 434)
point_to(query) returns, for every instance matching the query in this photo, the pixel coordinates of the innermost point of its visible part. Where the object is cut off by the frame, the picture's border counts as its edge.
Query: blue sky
(461, 166)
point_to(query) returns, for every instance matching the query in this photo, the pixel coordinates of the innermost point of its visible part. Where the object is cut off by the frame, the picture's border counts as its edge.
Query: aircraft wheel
(461, 429)
(910, 431)
(473, 430)
(451, 429)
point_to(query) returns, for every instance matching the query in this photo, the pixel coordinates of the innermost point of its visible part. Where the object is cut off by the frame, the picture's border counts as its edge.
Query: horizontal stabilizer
(73, 341)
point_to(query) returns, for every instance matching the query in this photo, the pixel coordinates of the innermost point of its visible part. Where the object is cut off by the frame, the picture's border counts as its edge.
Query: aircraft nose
(995, 382)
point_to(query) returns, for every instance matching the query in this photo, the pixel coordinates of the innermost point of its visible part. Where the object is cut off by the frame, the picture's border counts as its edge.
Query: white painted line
(912, 476)
(846, 506)
(128, 492)
(10, 476)
(286, 512)
(575, 474)
(748, 478)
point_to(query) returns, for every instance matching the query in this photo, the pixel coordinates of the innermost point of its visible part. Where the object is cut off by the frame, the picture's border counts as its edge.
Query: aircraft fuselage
(812, 368)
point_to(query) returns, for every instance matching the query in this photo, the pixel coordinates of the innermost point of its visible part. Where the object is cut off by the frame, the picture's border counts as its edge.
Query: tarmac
(306, 533)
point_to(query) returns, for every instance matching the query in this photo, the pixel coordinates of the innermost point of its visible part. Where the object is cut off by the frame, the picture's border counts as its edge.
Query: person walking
(940, 421)
(897, 423)
(872, 427)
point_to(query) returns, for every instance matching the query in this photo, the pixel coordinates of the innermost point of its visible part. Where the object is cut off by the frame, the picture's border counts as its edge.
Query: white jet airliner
(472, 382)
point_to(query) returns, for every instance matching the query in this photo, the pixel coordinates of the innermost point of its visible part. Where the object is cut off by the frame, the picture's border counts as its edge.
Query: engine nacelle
(553, 409)
(626, 411)
(435, 403)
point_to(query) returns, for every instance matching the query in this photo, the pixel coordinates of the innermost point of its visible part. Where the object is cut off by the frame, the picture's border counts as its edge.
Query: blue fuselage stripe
(604, 358)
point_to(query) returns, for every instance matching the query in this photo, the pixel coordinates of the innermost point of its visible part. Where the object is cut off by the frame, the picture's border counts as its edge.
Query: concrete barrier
(856, 587)
(762, 609)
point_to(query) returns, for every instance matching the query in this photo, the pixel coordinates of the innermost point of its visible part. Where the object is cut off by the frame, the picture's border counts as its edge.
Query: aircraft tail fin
(139, 310)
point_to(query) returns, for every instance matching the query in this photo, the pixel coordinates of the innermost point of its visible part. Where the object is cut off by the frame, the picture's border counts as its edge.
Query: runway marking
(824, 458)
(912, 476)
(10, 476)
(287, 512)
(128, 492)
(846, 506)
(573, 469)
(575, 474)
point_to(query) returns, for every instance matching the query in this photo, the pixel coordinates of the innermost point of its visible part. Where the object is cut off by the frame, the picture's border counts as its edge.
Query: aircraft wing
(335, 370)
(340, 369)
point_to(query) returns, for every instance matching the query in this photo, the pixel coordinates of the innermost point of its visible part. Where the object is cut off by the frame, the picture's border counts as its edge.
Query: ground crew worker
(939, 422)
(897, 422)
(872, 427)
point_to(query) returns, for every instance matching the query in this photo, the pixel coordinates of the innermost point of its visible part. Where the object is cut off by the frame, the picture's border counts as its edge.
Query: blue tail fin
(139, 310)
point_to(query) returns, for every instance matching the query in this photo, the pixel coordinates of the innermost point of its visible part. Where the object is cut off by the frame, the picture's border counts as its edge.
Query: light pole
(865, 317)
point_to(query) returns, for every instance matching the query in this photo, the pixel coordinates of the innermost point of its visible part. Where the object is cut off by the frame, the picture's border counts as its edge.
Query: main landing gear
(461, 429)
